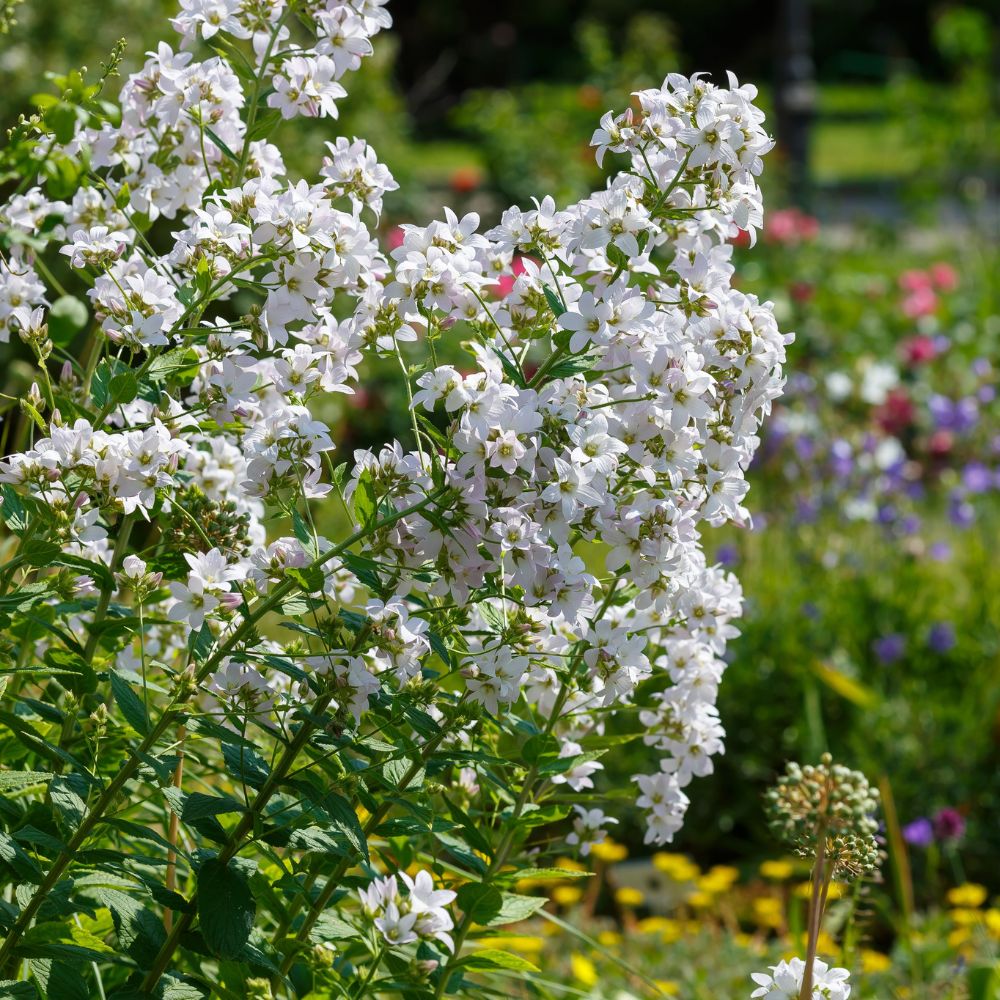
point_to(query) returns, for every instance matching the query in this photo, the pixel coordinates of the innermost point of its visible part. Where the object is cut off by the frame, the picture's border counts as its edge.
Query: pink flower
(920, 302)
(790, 226)
(944, 276)
(915, 281)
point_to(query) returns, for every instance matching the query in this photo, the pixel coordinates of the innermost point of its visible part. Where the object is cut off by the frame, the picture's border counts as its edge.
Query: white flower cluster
(419, 915)
(785, 981)
(611, 405)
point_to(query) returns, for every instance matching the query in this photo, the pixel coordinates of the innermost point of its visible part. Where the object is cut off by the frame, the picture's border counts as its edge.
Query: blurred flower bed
(614, 939)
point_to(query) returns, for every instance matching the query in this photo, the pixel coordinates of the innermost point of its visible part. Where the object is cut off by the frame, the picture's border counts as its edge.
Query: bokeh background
(871, 574)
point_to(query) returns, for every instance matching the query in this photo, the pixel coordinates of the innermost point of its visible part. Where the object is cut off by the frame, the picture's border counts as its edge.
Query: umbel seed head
(827, 804)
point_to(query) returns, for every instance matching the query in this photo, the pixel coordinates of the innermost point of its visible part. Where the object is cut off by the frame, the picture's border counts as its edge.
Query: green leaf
(173, 362)
(226, 908)
(309, 578)
(264, 125)
(130, 703)
(198, 806)
(330, 927)
(984, 982)
(244, 765)
(365, 499)
(514, 907)
(545, 874)
(221, 145)
(494, 958)
(140, 932)
(123, 388)
(345, 820)
(481, 902)
(65, 792)
(100, 384)
(13, 509)
(60, 981)
(67, 317)
(200, 643)
(18, 859)
(26, 596)
(11, 780)
(12, 990)
(553, 300)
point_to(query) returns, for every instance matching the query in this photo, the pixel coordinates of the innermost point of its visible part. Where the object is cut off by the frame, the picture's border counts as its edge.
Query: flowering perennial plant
(225, 726)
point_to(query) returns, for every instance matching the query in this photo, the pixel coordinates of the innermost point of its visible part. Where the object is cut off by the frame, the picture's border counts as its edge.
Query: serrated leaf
(60, 981)
(11, 780)
(13, 990)
(198, 806)
(129, 703)
(244, 765)
(13, 508)
(226, 908)
(140, 932)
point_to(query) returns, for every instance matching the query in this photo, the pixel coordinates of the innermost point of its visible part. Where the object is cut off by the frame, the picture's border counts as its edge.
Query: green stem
(170, 716)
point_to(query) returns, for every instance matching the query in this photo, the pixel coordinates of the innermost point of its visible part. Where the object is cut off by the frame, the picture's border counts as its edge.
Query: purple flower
(886, 514)
(727, 555)
(941, 637)
(949, 824)
(919, 833)
(976, 477)
(910, 524)
(953, 415)
(961, 512)
(939, 551)
(889, 648)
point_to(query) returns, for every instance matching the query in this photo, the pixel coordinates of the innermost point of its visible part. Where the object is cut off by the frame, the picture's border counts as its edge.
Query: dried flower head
(828, 806)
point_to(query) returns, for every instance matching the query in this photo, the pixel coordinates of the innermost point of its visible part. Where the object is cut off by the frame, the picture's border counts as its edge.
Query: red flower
(917, 350)
(465, 179)
(896, 413)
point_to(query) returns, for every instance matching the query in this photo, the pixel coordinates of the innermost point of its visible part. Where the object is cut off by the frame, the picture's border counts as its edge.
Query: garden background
(872, 625)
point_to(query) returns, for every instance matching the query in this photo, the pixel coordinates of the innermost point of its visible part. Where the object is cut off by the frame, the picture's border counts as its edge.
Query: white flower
(785, 981)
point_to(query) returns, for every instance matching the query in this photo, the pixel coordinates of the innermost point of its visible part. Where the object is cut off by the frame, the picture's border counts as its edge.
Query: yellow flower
(719, 879)
(517, 942)
(610, 939)
(964, 917)
(767, 912)
(992, 920)
(627, 896)
(969, 894)
(679, 867)
(609, 851)
(803, 890)
(777, 870)
(874, 961)
(584, 971)
(699, 900)
(570, 864)
(566, 895)
(667, 987)
(958, 937)
(668, 930)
